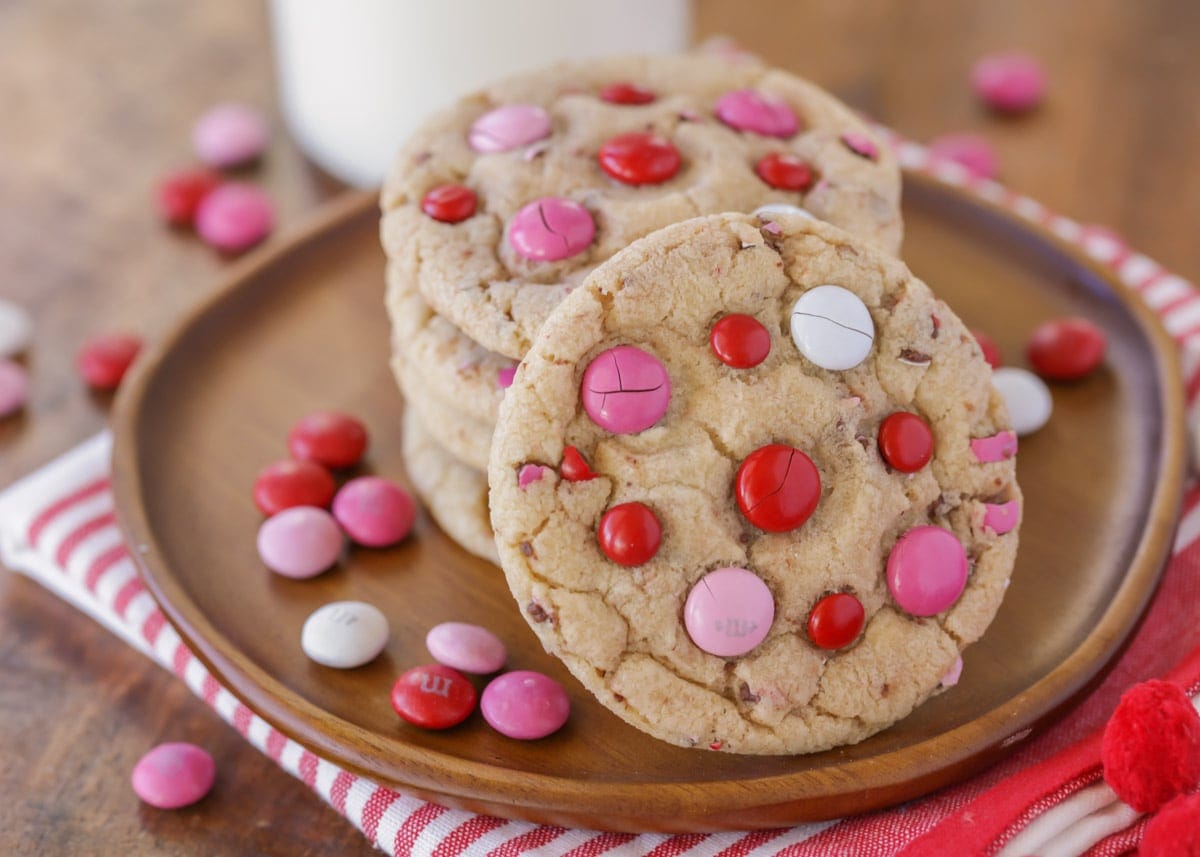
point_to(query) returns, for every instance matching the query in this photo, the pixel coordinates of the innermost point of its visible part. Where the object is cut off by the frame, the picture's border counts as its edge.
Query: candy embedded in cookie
(744, 540)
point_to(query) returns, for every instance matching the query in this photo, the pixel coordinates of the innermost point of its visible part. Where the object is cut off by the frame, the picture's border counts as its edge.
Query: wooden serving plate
(301, 327)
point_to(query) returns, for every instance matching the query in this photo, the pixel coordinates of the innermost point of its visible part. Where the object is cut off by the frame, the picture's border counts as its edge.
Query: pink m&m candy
(758, 112)
(14, 387)
(728, 612)
(525, 705)
(551, 228)
(235, 217)
(374, 511)
(229, 135)
(174, 775)
(861, 145)
(300, 542)
(508, 127)
(970, 151)
(1009, 82)
(625, 390)
(466, 647)
(927, 570)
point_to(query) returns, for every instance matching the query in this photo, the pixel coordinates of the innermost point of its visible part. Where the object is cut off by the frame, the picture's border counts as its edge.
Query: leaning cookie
(753, 485)
(499, 206)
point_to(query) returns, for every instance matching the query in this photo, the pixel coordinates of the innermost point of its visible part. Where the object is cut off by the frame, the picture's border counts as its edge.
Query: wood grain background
(97, 101)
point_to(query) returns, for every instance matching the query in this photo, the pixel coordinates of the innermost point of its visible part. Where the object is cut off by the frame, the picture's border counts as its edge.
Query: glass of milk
(356, 78)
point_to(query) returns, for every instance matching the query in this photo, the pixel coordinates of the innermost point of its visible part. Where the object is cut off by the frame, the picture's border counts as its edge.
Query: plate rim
(481, 786)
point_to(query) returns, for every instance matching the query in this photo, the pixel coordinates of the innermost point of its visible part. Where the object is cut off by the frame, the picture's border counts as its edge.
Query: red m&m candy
(289, 483)
(1066, 349)
(574, 466)
(629, 534)
(836, 621)
(433, 697)
(180, 193)
(777, 488)
(905, 441)
(624, 92)
(784, 171)
(328, 437)
(103, 360)
(449, 203)
(740, 341)
(639, 158)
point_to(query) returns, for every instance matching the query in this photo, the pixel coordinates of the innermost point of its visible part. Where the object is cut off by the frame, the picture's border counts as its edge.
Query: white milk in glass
(357, 77)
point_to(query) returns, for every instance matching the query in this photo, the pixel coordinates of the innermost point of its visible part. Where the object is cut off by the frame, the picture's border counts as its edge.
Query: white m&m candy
(832, 327)
(1027, 397)
(16, 328)
(344, 634)
(765, 211)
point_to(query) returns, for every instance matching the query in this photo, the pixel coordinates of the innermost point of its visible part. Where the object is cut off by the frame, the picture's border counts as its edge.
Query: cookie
(454, 494)
(466, 438)
(753, 485)
(501, 205)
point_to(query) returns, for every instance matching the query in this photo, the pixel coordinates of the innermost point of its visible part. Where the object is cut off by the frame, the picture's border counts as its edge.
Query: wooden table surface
(97, 101)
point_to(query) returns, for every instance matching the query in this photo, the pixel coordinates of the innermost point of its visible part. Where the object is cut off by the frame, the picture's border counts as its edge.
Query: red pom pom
(1175, 831)
(1151, 746)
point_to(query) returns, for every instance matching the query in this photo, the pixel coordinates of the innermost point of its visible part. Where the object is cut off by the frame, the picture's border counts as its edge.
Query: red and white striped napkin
(1049, 798)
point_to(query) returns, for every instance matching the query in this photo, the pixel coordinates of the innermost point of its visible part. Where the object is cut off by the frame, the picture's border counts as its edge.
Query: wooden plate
(301, 327)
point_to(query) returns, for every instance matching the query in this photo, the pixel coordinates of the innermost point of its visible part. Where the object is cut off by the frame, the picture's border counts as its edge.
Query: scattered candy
(1001, 518)
(757, 112)
(728, 612)
(1009, 82)
(450, 203)
(950, 679)
(639, 158)
(836, 621)
(14, 387)
(525, 705)
(174, 775)
(1066, 349)
(508, 127)
(574, 467)
(374, 512)
(970, 151)
(1027, 397)
(433, 697)
(905, 441)
(16, 328)
(861, 145)
(740, 341)
(103, 360)
(289, 483)
(300, 542)
(777, 488)
(784, 171)
(180, 193)
(1174, 831)
(991, 351)
(235, 217)
(625, 390)
(998, 447)
(1151, 745)
(344, 634)
(629, 534)
(626, 93)
(927, 570)
(229, 135)
(466, 647)
(550, 229)
(328, 437)
(832, 327)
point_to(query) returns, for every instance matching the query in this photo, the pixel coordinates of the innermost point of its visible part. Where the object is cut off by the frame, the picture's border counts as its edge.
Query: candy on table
(639, 158)
(1009, 82)
(927, 570)
(466, 647)
(300, 542)
(290, 483)
(728, 612)
(832, 327)
(1066, 349)
(525, 705)
(991, 351)
(1026, 396)
(229, 135)
(344, 634)
(625, 390)
(433, 696)
(16, 328)
(905, 441)
(180, 193)
(740, 341)
(836, 621)
(757, 112)
(234, 217)
(777, 487)
(174, 775)
(785, 171)
(14, 387)
(331, 438)
(629, 534)
(971, 151)
(103, 360)
(1151, 745)
(508, 127)
(373, 511)
(450, 203)
(550, 229)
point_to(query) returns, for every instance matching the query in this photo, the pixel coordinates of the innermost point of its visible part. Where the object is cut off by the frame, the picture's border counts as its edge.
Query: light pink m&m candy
(374, 511)
(927, 570)
(229, 135)
(1009, 82)
(625, 390)
(728, 612)
(14, 387)
(174, 775)
(508, 127)
(758, 112)
(525, 705)
(465, 647)
(300, 542)
(235, 217)
(551, 228)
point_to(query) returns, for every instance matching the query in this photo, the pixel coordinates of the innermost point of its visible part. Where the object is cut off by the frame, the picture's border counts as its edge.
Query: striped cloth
(1048, 798)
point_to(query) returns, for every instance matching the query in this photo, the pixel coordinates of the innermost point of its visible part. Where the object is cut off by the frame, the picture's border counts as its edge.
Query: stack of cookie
(501, 206)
